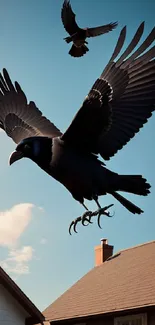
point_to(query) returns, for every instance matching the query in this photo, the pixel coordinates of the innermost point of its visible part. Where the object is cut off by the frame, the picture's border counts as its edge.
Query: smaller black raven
(78, 35)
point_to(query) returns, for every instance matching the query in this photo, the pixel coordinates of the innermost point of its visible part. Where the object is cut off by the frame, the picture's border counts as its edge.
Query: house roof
(35, 315)
(125, 281)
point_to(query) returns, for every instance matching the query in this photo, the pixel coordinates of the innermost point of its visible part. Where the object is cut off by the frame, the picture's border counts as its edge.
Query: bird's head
(38, 149)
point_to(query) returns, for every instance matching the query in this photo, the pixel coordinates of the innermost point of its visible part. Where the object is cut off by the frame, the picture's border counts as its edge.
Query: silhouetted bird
(78, 35)
(117, 106)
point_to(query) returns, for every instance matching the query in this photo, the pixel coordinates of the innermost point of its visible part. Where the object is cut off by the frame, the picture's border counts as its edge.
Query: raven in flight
(117, 106)
(78, 35)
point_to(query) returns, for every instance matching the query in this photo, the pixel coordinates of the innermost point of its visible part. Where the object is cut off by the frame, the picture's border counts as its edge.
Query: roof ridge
(133, 247)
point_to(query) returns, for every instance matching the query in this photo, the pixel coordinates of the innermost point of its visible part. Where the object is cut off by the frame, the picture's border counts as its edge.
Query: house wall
(110, 320)
(151, 318)
(11, 312)
(105, 321)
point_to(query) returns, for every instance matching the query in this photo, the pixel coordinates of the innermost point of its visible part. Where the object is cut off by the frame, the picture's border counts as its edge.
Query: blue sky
(36, 248)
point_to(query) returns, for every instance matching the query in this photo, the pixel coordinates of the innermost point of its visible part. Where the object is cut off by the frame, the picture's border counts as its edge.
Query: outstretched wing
(134, 102)
(18, 118)
(93, 117)
(96, 31)
(132, 82)
(68, 18)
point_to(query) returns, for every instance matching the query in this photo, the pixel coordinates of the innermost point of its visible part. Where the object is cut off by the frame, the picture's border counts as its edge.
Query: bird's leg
(86, 217)
(96, 200)
(85, 206)
(101, 211)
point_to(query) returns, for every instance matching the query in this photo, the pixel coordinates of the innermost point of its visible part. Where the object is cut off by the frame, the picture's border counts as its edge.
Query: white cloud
(13, 223)
(41, 209)
(43, 241)
(21, 255)
(18, 259)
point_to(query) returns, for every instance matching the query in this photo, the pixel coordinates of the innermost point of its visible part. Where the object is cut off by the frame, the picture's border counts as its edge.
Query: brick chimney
(103, 252)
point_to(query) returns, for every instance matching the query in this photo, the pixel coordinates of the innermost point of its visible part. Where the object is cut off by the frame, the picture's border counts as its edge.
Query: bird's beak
(16, 155)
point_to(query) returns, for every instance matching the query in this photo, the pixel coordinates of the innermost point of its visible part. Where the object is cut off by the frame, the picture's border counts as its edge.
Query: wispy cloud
(13, 223)
(18, 259)
(43, 241)
(41, 209)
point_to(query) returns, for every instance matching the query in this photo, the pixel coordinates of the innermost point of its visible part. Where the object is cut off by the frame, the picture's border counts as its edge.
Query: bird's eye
(27, 147)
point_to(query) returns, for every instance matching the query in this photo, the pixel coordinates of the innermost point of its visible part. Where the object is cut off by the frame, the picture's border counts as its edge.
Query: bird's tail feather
(78, 51)
(127, 204)
(135, 184)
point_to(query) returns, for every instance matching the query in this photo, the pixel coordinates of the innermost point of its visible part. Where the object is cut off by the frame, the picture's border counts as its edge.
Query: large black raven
(117, 106)
(78, 35)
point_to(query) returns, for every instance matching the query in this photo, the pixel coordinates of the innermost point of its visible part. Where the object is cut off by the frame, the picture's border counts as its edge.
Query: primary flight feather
(117, 106)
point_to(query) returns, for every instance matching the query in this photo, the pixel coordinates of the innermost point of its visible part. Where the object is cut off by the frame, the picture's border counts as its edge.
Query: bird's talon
(74, 224)
(70, 227)
(87, 218)
(102, 211)
(74, 227)
(98, 221)
(84, 218)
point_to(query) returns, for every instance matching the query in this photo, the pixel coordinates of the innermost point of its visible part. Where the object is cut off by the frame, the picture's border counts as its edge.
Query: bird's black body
(117, 106)
(78, 35)
(81, 173)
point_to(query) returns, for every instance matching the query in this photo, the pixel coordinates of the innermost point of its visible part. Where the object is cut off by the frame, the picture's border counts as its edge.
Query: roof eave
(34, 320)
(107, 314)
(20, 296)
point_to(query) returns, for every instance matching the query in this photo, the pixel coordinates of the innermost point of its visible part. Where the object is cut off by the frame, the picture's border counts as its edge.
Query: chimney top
(103, 252)
(104, 241)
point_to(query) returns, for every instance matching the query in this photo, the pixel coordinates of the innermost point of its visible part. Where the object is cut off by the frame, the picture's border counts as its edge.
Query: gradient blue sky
(33, 51)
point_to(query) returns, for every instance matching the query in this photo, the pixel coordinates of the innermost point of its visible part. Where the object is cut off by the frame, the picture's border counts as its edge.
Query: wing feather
(131, 79)
(132, 44)
(68, 18)
(93, 117)
(133, 105)
(96, 31)
(18, 118)
(148, 41)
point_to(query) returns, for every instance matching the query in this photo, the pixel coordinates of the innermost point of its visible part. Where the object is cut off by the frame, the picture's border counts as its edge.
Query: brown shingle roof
(35, 315)
(125, 281)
